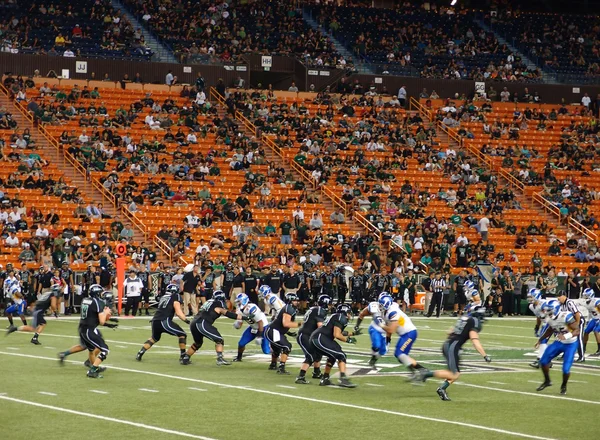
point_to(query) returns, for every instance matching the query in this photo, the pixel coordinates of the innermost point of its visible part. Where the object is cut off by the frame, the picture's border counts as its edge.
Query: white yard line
(321, 401)
(148, 390)
(196, 389)
(99, 392)
(374, 385)
(497, 383)
(105, 418)
(286, 386)
(46, 393)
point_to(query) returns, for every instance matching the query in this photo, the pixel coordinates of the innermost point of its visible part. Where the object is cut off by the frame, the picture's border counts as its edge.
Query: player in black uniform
(328, 280)
(313, 319)
(323, 342)
(315, 283)
(165, 280)
(94, 312)
(304, 289)
(380, 283)
(467, 327)
(209, 282)
(342, 284)
(460, 299)
(276, 331)
(228, 277)
(144, 277)
(162, 322)
(38, 323)
(67, 275)
(358, 287)
(203, 325)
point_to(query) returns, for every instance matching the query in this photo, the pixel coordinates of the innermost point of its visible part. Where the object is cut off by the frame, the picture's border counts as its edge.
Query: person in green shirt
(286, 232)
(455, 219)
(270, 228)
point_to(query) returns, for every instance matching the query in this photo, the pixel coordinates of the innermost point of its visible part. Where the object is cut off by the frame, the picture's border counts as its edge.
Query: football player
(94, 313)
(564, 324)
(273, 304)
(17, 306)
(534, 297)
(38, 323)
(313, 319)
(380, 338)
(276, 331)
(466, 328)
(323, 342)
(592, 305)
(162, 322)
(257, 322)
(203, 325)
(397, 321)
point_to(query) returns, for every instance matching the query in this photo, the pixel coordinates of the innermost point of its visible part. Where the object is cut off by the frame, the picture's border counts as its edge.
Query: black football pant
(436, 302)
(133, 302)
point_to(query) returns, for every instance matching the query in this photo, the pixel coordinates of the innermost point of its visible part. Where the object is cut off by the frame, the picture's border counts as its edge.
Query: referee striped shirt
(438, 285)
(570, 306)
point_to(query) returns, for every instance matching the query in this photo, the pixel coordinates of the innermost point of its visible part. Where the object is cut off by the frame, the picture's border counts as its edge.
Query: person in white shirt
(68, 53)
(191, 138)
(484, 224)
(298, 214)
(83, 137)
(192, 220)
(42, 231)
(402, 96)
(14, 215)
(586, 100)
(462, 239)
(133, 288)
(169, 78)
(12, 240)
(200, 98)
(566, 192)
(202, 247)
(149, 121)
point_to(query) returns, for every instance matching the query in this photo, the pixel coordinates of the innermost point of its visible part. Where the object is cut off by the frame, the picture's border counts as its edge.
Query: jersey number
(206, 306)
(164, 301)
(84, 311)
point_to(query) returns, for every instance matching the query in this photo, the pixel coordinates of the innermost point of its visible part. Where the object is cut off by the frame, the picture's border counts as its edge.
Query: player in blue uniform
(534, 297)
(564, 324)
(257, 322)
(18, 306)
(377, 331)
(592, 305)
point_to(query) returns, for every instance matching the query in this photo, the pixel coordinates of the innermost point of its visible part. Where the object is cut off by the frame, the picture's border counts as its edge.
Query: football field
(160, 399)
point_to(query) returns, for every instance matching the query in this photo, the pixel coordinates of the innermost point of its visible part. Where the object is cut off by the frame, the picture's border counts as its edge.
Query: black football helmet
(96, 291)
(324, 301)
(172, 289)
(291, 297)
(220, 296)
(344, 309)
(108, 298)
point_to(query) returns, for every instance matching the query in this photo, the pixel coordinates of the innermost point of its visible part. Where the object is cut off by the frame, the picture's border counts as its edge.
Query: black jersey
(277, 324)
(381, 283)
(166, 306)
(250, 282)
(340, 277)
(462, 328)
(90, 307)
(25, 276)
(43, 303)
(358, 282)
(291, 281)
(143, 276)
(45, 280)
(273, 280)
(66, 274)
(302, 277)
(312, 317)
(336, 320)
(460, 284)
(328, 280)
(208, 282)
(316, 280)
(165, 280)
(208, 311)
(228, 277)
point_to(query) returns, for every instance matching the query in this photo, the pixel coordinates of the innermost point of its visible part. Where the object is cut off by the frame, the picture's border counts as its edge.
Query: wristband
(231, 315)
(568, 335)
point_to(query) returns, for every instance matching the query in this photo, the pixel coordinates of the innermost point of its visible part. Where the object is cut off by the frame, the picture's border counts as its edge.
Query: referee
(438, 284)
(568, 305)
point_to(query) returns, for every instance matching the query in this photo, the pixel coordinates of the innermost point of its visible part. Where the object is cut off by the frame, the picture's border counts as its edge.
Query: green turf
(245, 400)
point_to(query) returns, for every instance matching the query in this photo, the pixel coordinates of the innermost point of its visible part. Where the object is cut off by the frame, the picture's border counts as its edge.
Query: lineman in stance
(313, 319)
(203, 325)
(467, 327)
(162, 322)
(94, 312)
(323, 342)
(257, 322)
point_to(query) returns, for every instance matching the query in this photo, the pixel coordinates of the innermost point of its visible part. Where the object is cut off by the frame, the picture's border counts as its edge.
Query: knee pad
(286, 350)
(102, 356)
(219, 341)
(330, 362)
(182, 339)
(195, 346)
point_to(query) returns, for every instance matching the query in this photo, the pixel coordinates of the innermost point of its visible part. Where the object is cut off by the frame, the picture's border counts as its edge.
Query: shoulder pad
(393, 314)
(252, 309)
(569, 318)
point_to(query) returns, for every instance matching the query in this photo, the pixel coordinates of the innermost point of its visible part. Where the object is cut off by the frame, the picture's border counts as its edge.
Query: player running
(323, 342)
(313, 319)
(592, 305)
(564, 324)
(276, 332)
(94, 313)
(534, 297)
(257, 322)
(203, 325)
(162, 322)
(466, 328)
(38, 323)
(380, 337)
(18, 306)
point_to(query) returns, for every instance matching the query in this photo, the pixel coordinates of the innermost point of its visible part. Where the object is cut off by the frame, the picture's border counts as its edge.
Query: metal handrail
(163, 246)
(574, 224)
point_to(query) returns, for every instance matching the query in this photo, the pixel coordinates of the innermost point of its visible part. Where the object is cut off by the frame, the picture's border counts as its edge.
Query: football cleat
(420, 375)
(535, 364)
(325, 382)
(345, 383)
(443, 395)
(235, 359)
(138, 357)
(11, 329)
(283, 371)
(272, 367)
(94, 374)
(221, 361)
(563, 390)
(316, 375)
(61, 358)
(185, 360)
(34, 341)
(544, 386)
(597, 354)
(580, 361)
(372, 361)
(302, 380)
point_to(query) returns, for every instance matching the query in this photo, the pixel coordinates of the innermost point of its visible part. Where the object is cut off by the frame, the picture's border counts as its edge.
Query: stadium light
(453, 2)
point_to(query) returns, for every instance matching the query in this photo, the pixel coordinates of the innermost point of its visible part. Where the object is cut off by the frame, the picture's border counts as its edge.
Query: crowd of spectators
(70, 29)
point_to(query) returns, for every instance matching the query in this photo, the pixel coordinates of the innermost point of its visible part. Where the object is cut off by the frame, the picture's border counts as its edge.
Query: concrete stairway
(161, 53)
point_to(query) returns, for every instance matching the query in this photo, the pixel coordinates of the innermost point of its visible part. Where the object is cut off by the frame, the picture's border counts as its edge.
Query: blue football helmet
(386, 301)
(551, 307)
(534, 295)
(588, 294)
(263, 291)
(241, 300)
